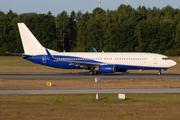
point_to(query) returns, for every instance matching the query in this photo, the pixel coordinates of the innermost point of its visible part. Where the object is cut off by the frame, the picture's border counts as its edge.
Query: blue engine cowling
(107, 68)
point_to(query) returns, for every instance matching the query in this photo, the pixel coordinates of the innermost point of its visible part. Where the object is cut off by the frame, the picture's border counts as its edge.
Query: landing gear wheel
(91, 72)
(159, 73)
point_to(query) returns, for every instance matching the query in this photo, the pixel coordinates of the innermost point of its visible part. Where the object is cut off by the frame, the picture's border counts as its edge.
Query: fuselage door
(44, 59)
(155, 59)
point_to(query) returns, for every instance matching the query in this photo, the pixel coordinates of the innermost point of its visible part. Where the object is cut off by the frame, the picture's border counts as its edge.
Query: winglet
(94, 49)
(49, 55)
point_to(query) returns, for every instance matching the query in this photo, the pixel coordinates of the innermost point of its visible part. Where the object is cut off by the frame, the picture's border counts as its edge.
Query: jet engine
(107, 68)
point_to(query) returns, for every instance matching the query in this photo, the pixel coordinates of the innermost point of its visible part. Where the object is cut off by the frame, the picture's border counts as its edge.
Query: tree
(63, 30)
(73, 31)
(176, 49)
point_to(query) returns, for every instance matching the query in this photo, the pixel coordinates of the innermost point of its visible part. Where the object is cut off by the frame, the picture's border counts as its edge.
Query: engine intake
(107, 68)
(121, 70)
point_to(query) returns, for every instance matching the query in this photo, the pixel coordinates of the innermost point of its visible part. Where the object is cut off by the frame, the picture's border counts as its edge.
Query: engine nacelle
(107, 68)
(121, 70)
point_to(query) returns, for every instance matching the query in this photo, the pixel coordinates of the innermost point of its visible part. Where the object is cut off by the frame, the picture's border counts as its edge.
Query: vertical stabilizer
(30, 44)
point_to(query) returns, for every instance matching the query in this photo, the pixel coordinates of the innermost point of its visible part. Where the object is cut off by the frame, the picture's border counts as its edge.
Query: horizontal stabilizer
(20, 54)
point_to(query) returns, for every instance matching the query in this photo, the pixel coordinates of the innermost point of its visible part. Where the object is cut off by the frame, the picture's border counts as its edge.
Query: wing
(77, 63)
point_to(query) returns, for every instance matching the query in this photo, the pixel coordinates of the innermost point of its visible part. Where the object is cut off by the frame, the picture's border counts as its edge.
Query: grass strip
(9, 84)
(84, 106)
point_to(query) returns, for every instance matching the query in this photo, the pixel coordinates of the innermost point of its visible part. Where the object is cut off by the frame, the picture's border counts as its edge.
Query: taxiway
(90, 91)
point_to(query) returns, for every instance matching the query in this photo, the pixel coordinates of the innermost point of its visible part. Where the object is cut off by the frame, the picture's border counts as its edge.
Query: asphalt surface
(90, 91)
(67, 76)
(63, 76)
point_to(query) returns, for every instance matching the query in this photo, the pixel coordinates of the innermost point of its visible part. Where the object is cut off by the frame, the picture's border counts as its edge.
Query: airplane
(110, 62)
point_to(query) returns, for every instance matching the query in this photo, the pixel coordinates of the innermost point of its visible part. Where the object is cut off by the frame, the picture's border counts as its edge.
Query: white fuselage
(123, 58)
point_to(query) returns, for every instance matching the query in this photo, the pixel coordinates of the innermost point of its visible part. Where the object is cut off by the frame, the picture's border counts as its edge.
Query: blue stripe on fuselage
(137, 67)
(59, 64)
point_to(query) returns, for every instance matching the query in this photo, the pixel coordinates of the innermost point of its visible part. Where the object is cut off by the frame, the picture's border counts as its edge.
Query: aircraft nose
(173, 63)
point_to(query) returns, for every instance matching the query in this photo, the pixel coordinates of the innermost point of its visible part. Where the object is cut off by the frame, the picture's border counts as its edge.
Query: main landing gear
(93, 72)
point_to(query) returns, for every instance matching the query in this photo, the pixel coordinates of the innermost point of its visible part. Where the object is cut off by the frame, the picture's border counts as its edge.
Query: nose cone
(173, 63)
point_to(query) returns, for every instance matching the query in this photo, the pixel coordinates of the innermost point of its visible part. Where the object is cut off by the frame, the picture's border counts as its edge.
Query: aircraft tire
(91, 72)
(159, 73)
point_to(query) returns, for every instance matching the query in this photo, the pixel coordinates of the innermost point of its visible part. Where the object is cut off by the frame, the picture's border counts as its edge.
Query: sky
(57, 6)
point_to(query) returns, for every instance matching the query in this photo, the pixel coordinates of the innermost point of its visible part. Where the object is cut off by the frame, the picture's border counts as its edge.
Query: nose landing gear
(159, 73)
(161, 70)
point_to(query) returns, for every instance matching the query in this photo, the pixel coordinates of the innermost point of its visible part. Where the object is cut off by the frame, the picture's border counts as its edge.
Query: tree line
(123, 30)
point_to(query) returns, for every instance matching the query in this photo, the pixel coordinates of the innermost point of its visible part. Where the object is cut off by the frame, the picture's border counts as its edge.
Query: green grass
(89, 98)
(84, 106)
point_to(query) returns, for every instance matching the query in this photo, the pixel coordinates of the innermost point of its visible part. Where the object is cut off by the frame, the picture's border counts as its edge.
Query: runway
(60, 76)
(90, 91)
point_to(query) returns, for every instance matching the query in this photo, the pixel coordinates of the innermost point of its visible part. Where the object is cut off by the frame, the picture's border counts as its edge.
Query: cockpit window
(166, 58)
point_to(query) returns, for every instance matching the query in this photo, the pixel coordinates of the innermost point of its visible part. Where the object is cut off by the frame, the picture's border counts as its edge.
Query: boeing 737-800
(110, 62)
